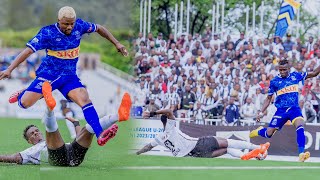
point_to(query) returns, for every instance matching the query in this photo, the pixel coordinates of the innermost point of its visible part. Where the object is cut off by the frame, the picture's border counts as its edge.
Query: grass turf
(106, 162)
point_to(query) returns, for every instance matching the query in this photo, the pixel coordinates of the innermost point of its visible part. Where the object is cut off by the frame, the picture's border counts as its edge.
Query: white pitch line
(216, 167)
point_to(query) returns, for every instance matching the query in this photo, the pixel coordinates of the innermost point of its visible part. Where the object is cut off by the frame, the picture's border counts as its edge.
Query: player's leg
(278, 120)
(298, 121)
(107, 123)
(57, 151)
(75, 91)
(33, 93)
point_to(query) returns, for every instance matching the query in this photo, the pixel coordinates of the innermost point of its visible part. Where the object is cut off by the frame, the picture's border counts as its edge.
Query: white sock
(49, 120)
(70, 126)
(105, 122)
(236, 144)
(235, 152)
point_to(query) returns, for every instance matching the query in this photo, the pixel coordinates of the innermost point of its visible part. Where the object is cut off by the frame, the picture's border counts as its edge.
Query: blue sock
(19, 100)
(263, 133)
(301, 140)
(92, 118)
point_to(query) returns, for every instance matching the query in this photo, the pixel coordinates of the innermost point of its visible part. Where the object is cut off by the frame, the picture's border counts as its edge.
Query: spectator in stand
(248, 110)
(231, 113)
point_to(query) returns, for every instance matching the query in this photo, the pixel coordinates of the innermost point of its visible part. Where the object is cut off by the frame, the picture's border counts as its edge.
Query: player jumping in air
(285, 86)
(61, 42)
(182, 145)
(58, 152)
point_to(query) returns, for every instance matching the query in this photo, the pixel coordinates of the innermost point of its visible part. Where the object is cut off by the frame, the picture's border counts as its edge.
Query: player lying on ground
(182, 145)
(59, 153)
(61, 42)
(285, 86)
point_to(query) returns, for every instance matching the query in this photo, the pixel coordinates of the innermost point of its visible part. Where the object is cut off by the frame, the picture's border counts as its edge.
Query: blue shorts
(63, 83)
(282, 115)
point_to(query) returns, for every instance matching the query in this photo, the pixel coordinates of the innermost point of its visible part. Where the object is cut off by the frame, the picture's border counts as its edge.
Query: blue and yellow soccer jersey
(286, 89)
(62, 51)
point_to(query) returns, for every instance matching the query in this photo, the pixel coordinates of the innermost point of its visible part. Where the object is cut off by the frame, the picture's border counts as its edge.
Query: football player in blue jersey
(285, 86)
(61, 42)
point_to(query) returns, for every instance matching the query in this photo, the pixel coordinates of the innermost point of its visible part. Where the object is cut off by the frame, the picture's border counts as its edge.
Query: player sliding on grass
(62, 44)
(182, 145)
(59, 153)
(285, 86)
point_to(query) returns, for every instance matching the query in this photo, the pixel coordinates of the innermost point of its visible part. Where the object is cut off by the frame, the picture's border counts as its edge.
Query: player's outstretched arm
(104, 32)
(167, 112)
(14, 158)
(314, 73)
(146, 148)
(18, 60)
(264, 107)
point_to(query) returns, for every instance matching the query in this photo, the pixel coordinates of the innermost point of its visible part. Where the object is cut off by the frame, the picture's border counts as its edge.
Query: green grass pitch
(106, 162)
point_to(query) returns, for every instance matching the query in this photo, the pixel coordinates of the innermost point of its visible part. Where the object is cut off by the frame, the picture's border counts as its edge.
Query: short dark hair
(283, 62)
(26, 129)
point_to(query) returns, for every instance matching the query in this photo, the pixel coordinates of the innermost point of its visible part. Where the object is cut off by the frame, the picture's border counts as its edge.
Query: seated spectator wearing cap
(159, 39)
(151, 106)
(187, 96)
(288, 44)
(241, 41)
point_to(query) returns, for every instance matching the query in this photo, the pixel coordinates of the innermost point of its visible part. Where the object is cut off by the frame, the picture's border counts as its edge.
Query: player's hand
(71, 119)
(260, 115)
(122, 49)
(146, 115)
(5, 74)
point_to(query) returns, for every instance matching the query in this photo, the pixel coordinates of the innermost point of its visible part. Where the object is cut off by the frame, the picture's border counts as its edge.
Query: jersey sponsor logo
(289, 89)
(66, 54)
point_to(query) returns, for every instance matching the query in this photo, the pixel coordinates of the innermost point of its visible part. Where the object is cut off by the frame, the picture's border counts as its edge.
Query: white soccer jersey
(35, 153)
(176, 141)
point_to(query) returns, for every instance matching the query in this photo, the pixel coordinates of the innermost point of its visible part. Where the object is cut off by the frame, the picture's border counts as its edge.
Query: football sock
(105, 122)
(49, 120)
(19, 100)
(263, 133)
(235, 152)
(92, 118)
(236, 144)
(300, 138)
(70, 126)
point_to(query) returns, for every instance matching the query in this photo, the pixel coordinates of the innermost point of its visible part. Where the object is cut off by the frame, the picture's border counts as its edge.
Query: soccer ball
(261, 157)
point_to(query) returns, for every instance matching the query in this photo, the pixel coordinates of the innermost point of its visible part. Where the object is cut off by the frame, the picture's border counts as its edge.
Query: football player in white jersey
(54, 150)
(182, 145)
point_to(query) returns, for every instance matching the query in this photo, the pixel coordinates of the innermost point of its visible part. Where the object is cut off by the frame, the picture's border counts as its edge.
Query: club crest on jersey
(293, 78)
(58, 39)
(35, 40)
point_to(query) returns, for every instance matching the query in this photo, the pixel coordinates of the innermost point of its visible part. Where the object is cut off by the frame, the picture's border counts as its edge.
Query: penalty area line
(216, 167)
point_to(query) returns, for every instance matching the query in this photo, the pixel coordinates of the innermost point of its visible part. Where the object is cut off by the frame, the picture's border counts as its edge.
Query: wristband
(76, 123)
(153, 114)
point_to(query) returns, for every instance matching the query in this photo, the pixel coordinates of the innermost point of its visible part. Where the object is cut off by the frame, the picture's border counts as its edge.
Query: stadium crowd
(26, 71)
(201, 76)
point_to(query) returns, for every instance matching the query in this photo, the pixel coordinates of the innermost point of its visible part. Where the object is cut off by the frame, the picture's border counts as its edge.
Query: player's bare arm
(146, 148)
(14, 158)
(264, 107)
(107, 34)
(76, 124)
(167, 112)
(314, 73)
(18, 60)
